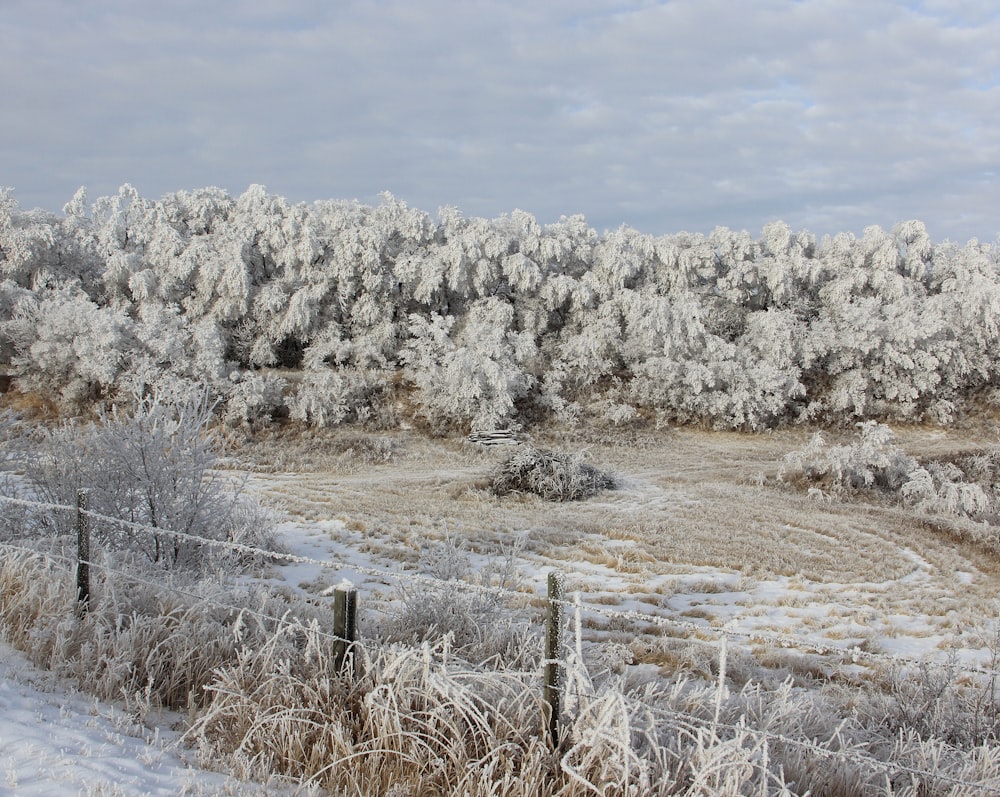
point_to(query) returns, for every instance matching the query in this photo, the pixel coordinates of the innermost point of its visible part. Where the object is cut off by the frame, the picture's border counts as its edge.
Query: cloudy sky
(682, 115)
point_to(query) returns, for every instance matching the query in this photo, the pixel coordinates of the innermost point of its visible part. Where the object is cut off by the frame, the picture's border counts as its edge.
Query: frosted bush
(254, 400)
(965, 487)
(155, 467)
(68, 346)
(872, 462)
(555, 476)
(331, 398)
(946, 488)
(469, 375)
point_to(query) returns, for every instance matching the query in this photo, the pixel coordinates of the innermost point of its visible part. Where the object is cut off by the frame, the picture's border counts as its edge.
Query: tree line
(340, 312)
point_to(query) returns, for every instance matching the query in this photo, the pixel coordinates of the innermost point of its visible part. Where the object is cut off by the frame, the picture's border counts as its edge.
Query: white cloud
(830, 114)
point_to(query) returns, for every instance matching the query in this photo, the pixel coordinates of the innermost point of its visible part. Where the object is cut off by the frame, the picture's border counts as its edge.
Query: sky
(830, 115)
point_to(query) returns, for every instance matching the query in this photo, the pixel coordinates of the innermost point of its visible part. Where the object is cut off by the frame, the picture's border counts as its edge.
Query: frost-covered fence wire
(685, 722)
(853, 655)
(70, 562)
(682, 720)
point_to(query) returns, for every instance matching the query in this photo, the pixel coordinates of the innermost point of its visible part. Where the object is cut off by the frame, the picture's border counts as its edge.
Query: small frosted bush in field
(965, 488)
(553, 475)
(872, 462)
(154, 468)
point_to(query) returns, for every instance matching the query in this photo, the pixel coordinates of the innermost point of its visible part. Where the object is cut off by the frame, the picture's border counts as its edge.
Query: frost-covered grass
(699, 532)
(421, 719)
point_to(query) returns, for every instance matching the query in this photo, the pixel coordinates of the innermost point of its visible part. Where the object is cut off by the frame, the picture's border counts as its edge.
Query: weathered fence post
(345, 625)
(82, 551)
(551, 696)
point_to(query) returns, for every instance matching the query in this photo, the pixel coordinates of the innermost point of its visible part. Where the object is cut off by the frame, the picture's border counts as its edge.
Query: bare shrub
(553, 475)
(154, 468)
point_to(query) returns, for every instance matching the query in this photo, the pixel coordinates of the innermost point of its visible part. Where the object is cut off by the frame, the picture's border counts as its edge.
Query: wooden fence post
(82, 551)
(551, 696)
(345, 625)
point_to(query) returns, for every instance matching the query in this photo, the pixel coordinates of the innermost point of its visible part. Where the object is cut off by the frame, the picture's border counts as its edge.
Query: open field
(779, 633)
(701, 530)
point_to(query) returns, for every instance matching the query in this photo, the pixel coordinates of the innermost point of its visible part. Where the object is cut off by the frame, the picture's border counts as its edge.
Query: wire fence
(720, 637)
(695, 631)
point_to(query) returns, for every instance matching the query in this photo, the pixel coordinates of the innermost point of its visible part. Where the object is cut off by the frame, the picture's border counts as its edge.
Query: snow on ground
(624, 552)
(686, 537)
(55, 741)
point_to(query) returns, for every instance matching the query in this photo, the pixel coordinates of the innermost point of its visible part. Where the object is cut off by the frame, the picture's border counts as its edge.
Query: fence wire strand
(852, 655)
(690, 721)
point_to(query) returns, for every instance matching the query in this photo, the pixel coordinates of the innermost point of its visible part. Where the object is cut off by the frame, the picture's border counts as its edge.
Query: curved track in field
(700, 529)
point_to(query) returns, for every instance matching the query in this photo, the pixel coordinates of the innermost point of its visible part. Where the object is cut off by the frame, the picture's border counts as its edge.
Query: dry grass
(688, 503)
(266, 699)
(29, 405)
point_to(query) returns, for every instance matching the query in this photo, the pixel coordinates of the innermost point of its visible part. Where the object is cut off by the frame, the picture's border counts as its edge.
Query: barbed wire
(853, 655)
(172, 589)
(273, 555)
(285, 620)
(692, 721)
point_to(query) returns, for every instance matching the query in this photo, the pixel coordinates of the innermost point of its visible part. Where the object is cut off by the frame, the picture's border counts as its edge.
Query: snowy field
(701, 532)
(56, 741)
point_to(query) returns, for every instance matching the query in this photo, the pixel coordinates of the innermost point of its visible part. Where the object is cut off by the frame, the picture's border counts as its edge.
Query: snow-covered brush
(553, 475)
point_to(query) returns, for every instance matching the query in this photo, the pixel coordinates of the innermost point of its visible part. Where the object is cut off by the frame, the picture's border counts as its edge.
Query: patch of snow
(56, 741)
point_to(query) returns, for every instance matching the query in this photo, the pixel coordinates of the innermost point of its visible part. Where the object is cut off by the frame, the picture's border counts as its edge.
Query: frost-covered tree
(200, 288)
(469, 374)
(332, 397)
(153, 466)
(254, 400)
(173, 358)
(40, 250)
(68, 346)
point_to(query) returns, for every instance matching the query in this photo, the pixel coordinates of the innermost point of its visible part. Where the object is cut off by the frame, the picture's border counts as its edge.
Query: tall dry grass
(265, 699)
